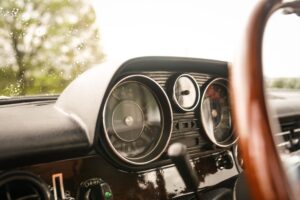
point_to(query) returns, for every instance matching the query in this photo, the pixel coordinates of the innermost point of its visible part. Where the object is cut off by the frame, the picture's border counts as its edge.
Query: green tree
(285, 83)
(278, 83)
(44, 44)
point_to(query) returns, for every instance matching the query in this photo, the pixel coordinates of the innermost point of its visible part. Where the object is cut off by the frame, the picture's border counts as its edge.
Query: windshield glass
(45, 44)
(280, 55)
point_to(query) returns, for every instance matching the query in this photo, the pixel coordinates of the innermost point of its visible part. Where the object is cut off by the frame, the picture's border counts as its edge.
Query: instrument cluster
(138, 115)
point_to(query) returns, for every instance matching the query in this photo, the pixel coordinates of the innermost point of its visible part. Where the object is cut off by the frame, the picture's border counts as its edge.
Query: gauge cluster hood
(82, 99)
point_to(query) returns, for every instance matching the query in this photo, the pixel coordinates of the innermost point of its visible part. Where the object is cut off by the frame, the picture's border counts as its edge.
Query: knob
(178, 154)
(94, 189)
(224, 161)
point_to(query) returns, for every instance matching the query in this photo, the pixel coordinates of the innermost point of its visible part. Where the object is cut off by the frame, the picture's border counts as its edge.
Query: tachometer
(216, 113)
(137, 119)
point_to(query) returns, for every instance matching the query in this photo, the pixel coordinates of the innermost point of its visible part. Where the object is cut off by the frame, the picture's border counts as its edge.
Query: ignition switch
(94, 189)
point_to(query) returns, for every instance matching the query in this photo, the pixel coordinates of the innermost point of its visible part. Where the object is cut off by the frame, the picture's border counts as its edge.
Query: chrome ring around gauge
(186, 93)
(216, 113)
(238, 158)
(137, 120)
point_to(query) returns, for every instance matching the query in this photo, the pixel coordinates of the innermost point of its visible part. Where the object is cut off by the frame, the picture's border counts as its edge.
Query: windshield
(45, 44)
(280, 55)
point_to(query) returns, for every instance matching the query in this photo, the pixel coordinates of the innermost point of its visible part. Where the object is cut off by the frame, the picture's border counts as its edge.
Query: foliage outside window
(284, 83)
(44, 44)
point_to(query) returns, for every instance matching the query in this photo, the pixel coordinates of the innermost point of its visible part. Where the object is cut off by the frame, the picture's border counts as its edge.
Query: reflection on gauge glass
(216, 113)
(134, 121)
(186, 92)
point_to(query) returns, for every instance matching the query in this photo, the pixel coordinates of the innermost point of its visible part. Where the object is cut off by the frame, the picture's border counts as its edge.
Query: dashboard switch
(94, 189)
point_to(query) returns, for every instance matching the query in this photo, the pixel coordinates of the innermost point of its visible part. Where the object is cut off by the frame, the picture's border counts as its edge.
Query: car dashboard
(107, 135)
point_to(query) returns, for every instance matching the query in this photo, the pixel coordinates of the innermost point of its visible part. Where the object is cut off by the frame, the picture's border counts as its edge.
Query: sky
(281, 46)
(193, 28)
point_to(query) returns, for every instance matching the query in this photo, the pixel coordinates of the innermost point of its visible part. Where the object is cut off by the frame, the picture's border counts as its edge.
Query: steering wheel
(264, 170)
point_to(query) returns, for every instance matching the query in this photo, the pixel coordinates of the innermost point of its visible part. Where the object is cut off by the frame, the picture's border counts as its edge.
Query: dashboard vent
(22, 186)
(290, 135)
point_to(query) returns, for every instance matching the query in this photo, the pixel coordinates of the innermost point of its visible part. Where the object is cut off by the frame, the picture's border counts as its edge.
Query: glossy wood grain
(263, 167)
(159, 183)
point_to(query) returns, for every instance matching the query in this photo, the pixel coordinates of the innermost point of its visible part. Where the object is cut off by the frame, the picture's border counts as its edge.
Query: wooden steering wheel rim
(264, 170)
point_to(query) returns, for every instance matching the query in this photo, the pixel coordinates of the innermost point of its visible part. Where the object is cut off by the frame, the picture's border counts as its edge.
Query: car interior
(156, 127)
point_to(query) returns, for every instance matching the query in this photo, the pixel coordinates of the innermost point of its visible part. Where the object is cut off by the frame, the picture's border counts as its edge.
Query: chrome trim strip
(58, 176)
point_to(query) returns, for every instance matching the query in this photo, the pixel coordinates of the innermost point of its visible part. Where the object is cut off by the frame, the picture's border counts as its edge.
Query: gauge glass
(133, 120)
(186, 92)
(216, 114)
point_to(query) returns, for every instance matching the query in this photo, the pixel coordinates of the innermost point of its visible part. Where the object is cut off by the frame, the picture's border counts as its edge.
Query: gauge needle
(184, 92)
(214, 113)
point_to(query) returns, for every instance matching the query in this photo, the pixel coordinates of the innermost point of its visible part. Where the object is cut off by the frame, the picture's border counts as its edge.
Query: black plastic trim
(36, 132)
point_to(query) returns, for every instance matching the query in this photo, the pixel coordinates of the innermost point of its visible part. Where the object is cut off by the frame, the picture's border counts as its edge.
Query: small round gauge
(136, 115)
(216, 113)
(186, 93)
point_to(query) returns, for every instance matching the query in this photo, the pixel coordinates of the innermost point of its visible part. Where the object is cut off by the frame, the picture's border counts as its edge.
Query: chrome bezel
(197, 90)
(234, 189)
(230, 140)
(237, 159)
(146, 81)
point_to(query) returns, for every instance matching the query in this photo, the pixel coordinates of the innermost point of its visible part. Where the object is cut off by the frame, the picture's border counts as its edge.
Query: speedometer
(216, 113)
(137, 120)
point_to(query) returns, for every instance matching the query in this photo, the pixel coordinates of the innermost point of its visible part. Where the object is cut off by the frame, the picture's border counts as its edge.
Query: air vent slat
(290, 134)
(184, 135)
(284, 144)
(283, 133)
(30, 197)
(161, 78)
(297, 130)
(183, 116)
